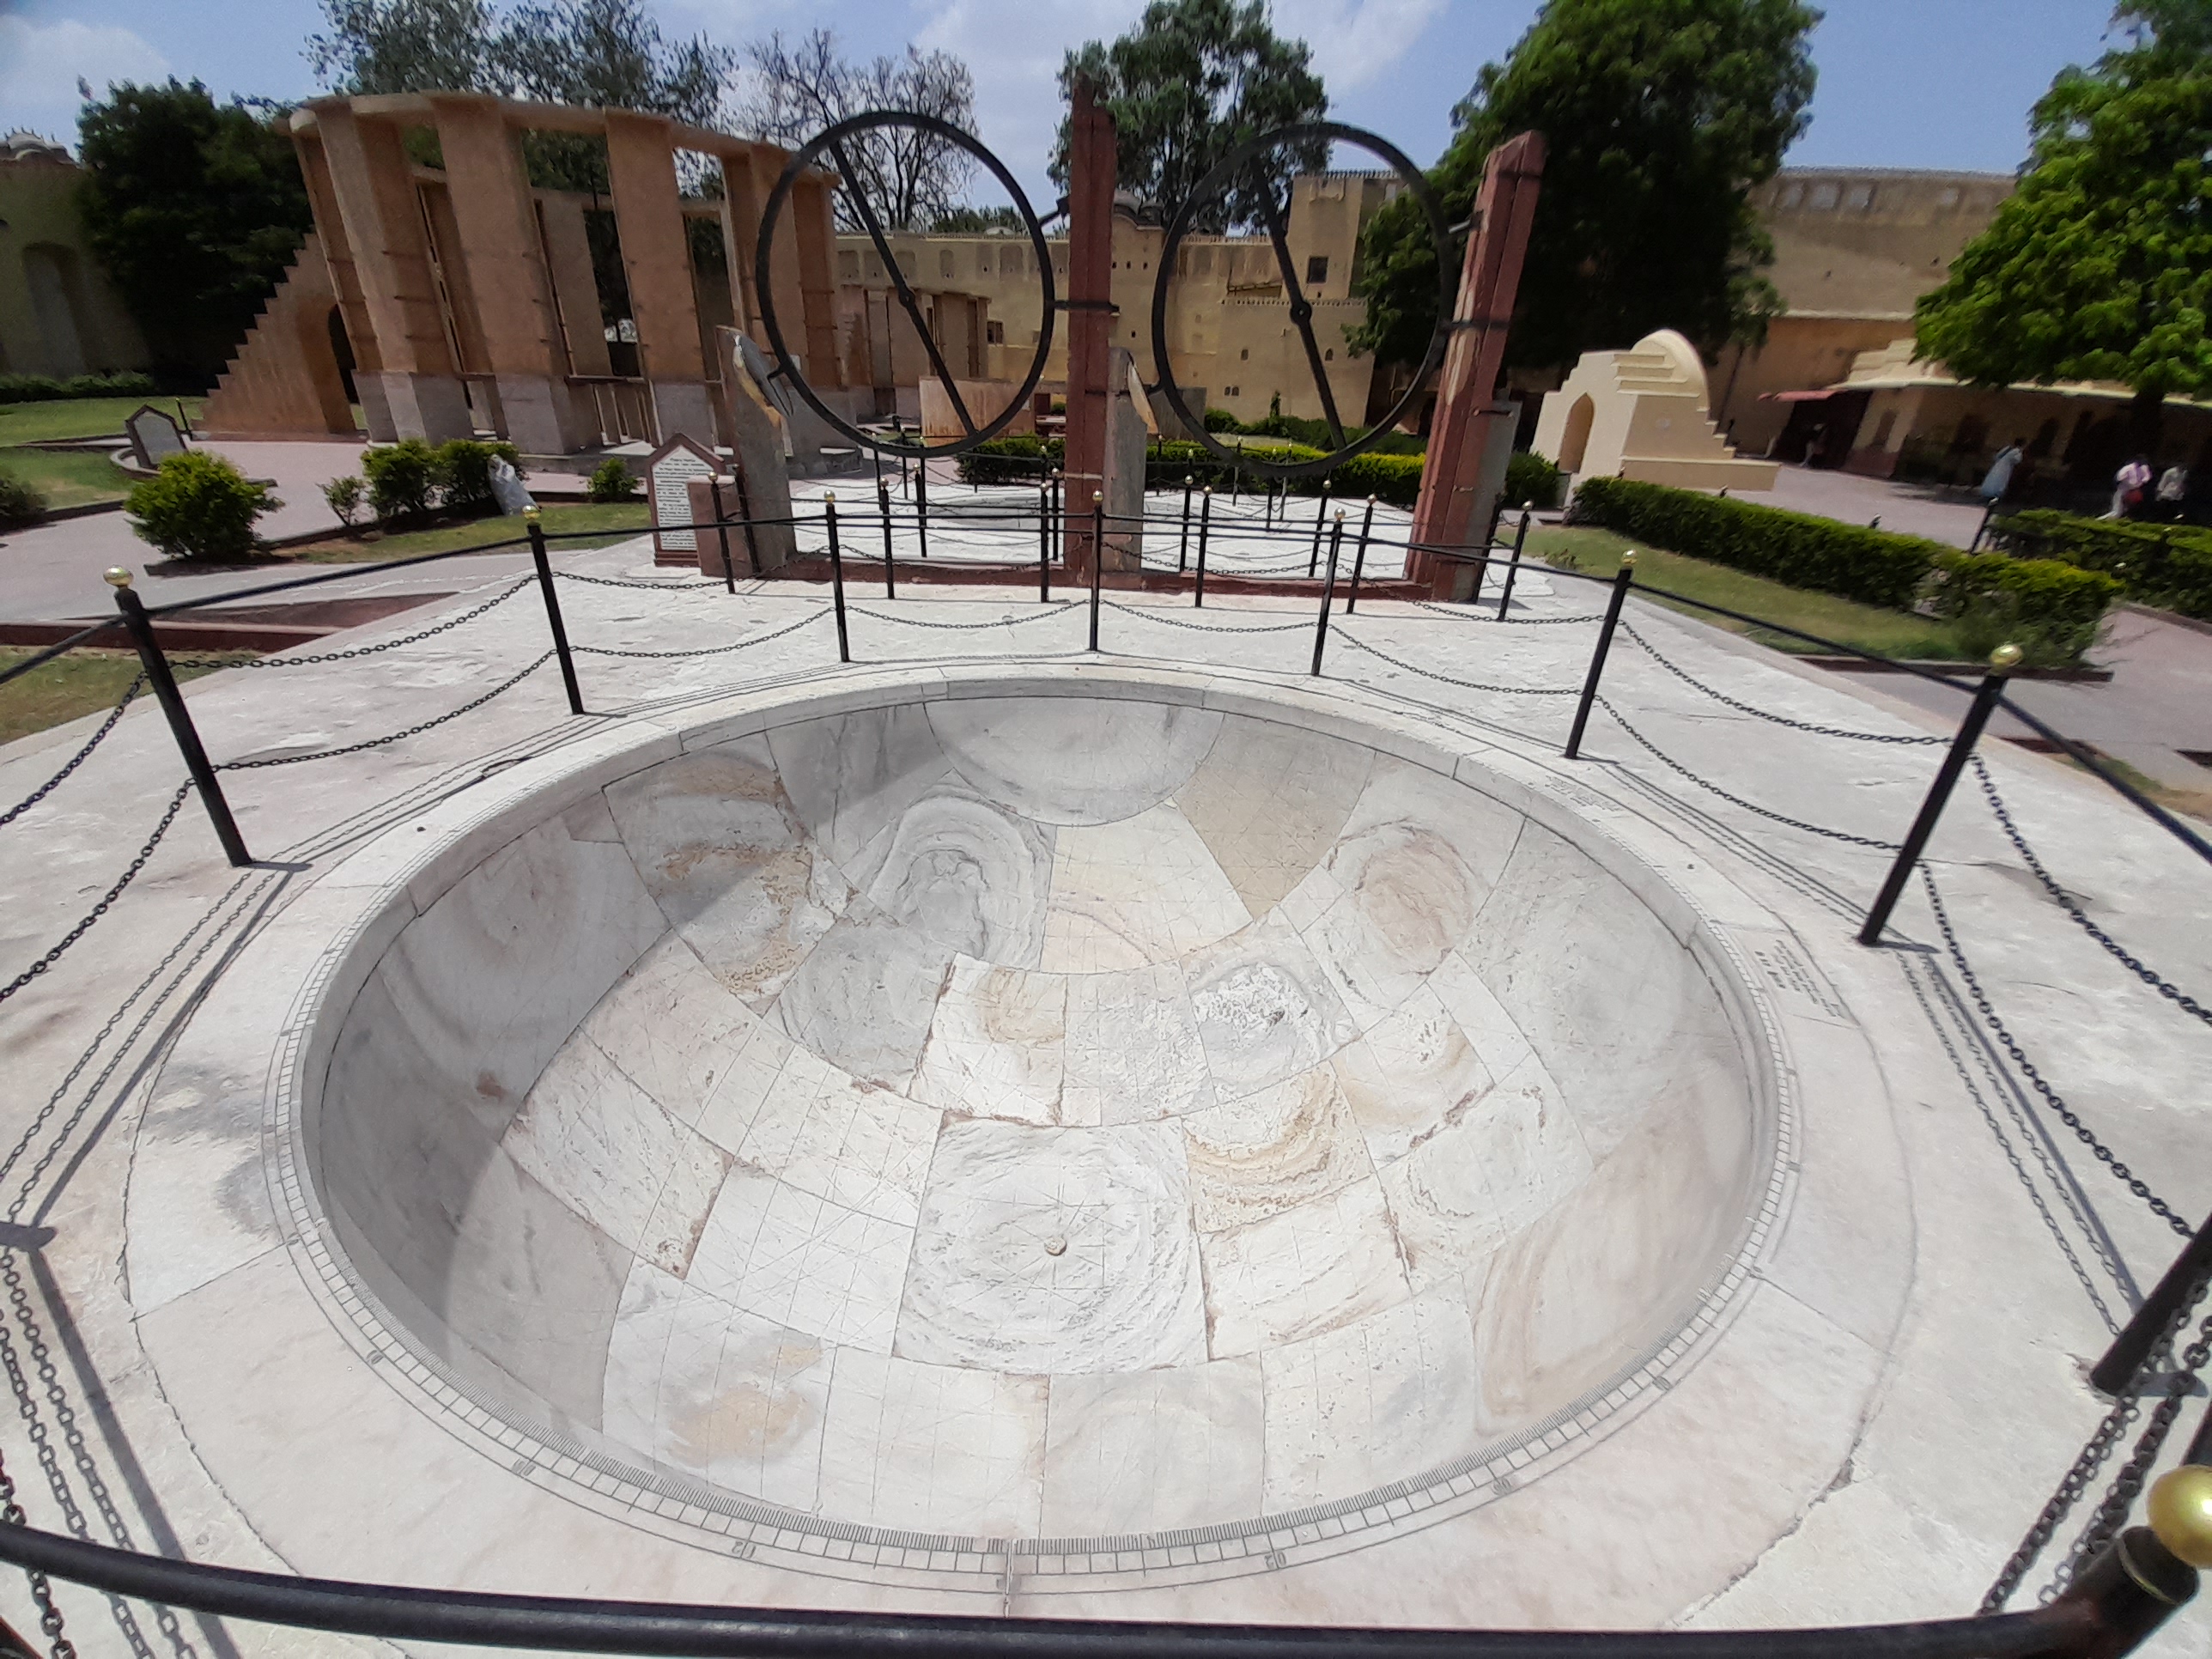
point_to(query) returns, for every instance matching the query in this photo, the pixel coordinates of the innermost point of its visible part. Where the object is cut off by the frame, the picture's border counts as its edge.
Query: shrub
(2168, 565)
(610, 482)
(44, 388)
(2050, 610)
(401, 477)
(1220, 420)
(462, 468)
(1393, 478)
(344, 496)
(19, 502)
(1531, 481)
(199, 506)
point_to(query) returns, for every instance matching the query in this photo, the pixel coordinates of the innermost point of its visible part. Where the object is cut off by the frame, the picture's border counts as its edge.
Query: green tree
(2099, 266)
(1191, 82)
(1658, 118)
(195, 209)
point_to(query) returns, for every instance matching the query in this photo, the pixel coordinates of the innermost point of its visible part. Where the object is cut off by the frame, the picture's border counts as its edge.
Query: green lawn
(80, 683)
(79, 417)
(1888, 633)
(67, 478)
(607, 523)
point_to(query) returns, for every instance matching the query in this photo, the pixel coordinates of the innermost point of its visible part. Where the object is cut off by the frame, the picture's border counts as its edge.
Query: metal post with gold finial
(1621, 579)
(180, 722)
(2003, 661)
(536, 533)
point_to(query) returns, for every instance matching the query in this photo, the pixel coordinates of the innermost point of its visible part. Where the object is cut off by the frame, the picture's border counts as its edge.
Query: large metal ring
(829, 143)
(1214, 184)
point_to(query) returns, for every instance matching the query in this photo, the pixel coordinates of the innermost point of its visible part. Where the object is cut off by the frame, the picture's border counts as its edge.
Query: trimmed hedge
(2051, 610)
(19, 502)
(45, 388)
(2168, 565)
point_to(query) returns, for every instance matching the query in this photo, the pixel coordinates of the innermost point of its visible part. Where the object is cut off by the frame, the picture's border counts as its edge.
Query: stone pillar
(375, 186)
(657, 260)
(1128, 435)
(758, 449)
(1090, 315)
(345, 282)
(496, 222)
(766, 166)
(1447, 512)
(816, 224)
(575, 287)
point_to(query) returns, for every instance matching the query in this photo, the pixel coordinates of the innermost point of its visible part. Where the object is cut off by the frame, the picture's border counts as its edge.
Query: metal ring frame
(1214, 184)
(831, 142)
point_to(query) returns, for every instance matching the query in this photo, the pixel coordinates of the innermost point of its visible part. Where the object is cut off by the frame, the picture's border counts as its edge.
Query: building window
(1233, 391)
(1245, 355)
(945, 262)
(1861, 197)
(983, 260)
(1329, 355)
(1791, 196)
(1824, 197)
(1948, 197)
(994, 333)
(1316, 269)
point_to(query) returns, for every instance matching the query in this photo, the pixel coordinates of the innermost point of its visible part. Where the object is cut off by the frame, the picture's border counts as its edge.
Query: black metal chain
(2064, 901)
(446, 626)
(1350, 638)
(42, 1592)
(77, 760)
(168, 817)
(1659, 754)
(2103, 1153)
(1204, 628)
(508, 685)
(2120, 1497)
(657, 587)
(1741, 707)
(1466, 613)
(703, 651)
(1059, 608)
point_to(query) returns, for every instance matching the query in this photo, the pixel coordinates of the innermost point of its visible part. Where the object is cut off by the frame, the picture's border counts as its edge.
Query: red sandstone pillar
(1488, 281)
(1091, 170)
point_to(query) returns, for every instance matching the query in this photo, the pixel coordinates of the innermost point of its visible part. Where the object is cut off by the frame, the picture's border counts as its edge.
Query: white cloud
(40, 64)
(1354, 41)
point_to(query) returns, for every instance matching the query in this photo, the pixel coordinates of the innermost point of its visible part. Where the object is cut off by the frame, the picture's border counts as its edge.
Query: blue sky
(1926, 84)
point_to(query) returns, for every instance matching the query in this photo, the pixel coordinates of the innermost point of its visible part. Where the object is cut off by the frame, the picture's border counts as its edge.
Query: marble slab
(1133, 1052)
(1409, 1075)
(1408, 898)
(1153, 1451)
(1268, 1150)
(864, 1149)
(695, 1384)
(996, 1046)
(1055, 1250)
(728, 862)
(1142, 889)
(1266, 1011)
(965, 874)
(850, 775)
(1269, 801)
(934, 1448)
(1309, 1269)
(1381, 1399)
(864, 997)
(597, 1141)
(1066, 760)
(673, 1028)
(802, 1261)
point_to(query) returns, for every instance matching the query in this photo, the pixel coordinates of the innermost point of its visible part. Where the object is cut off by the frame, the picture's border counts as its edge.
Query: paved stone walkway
(2019, 1247)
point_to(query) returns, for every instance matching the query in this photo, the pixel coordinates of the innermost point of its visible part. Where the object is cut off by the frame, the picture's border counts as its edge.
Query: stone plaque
(668, 474)
(153, 434)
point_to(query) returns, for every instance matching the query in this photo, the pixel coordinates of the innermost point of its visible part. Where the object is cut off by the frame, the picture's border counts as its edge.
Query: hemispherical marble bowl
(956, 1113)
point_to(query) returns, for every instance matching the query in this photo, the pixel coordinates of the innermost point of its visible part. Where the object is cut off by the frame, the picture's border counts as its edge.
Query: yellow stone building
(57, 314)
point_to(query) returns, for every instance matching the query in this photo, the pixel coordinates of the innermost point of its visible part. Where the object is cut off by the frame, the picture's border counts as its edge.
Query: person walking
(2172, 489)
(2130, 485)
(1998, 479)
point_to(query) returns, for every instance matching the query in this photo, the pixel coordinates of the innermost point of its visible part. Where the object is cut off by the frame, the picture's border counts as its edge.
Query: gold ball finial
(1339, 515)
(1628, 559)
(2181, 1513)
(2005, 659)
(530, 514)
(116, 575)
(828, 495)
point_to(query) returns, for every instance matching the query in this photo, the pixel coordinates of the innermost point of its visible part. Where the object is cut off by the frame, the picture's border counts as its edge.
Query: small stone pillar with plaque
(669, 472)
(154, 436)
